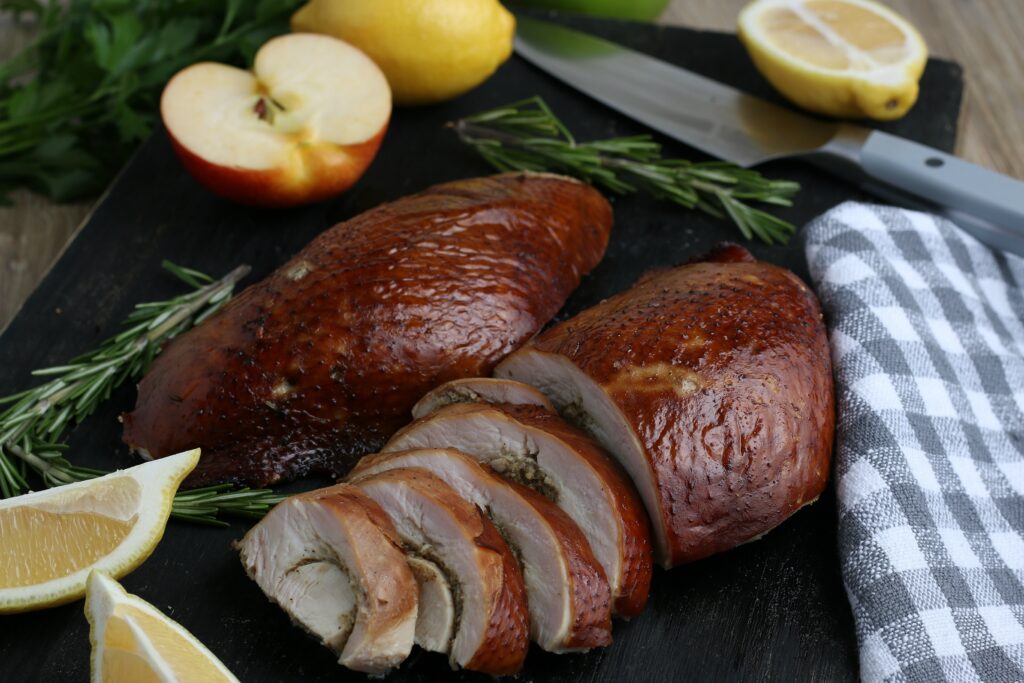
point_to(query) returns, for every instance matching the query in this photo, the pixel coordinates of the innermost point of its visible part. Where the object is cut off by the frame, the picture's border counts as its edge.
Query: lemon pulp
(836, 57)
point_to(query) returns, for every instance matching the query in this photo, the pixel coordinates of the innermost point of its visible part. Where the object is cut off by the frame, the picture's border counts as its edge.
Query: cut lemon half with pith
(134, 642)
(845, 58)
(52, 539)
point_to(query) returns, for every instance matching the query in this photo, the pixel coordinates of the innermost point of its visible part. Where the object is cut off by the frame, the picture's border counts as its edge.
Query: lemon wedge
(846, 58)
(52, 539)
(132, 641)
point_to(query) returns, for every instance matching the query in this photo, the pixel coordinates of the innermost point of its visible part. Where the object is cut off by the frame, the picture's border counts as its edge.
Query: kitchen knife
(729, 124)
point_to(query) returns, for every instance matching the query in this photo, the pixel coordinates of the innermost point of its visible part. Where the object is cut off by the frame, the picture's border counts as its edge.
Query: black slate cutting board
(771, 610)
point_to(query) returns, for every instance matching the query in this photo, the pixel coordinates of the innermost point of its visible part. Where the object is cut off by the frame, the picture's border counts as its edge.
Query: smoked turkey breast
(321, 362)
(533, 446)
(332, 560)
(566, 590)
(490, 618)
(712, 384)
(480, 390)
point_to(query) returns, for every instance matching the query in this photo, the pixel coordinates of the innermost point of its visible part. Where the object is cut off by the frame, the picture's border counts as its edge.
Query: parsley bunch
(77, 101)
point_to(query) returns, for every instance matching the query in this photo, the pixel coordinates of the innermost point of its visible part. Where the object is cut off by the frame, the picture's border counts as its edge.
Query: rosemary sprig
(204, 505)
(34, 423)
(527, 136)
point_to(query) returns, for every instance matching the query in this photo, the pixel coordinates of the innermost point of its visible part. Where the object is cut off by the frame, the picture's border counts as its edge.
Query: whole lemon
(430, 50)
(639, 10)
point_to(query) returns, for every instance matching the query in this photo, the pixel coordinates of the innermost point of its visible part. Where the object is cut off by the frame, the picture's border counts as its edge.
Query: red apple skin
(330, 169)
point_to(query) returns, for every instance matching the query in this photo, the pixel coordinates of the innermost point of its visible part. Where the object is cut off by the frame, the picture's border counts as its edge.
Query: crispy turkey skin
(712, 384)
(322, 361)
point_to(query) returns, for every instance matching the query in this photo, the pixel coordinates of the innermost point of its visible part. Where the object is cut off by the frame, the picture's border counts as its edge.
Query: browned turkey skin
(712, 385)
(322, 361)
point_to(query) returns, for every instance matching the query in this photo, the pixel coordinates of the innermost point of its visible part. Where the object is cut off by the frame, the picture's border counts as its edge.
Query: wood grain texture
(33, 230)
(982, 35)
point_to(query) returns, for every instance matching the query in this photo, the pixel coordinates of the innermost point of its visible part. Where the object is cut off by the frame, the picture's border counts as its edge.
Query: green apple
(642, 10)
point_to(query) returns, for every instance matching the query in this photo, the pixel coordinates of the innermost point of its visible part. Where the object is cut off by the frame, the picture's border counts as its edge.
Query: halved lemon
(52, 539)
(132, 641)
(846, 58)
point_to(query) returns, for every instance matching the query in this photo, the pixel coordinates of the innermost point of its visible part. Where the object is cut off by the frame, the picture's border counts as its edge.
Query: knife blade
(729, 124)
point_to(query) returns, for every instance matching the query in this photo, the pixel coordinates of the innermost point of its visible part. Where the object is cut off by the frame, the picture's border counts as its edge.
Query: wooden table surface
(983, 35)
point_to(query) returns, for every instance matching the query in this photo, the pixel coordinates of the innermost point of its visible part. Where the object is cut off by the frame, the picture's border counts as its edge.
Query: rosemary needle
(34, 423)
(203, 505)
(527, 136)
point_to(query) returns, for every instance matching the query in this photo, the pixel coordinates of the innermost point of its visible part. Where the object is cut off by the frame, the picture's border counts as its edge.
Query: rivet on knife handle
(942, 179)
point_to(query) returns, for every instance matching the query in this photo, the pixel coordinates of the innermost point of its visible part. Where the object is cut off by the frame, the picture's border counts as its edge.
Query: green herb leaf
(177, 37)
(33, 421)
(527, 136)
(94, 73)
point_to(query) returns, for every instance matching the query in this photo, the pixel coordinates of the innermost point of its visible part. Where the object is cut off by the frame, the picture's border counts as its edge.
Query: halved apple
(301, 127)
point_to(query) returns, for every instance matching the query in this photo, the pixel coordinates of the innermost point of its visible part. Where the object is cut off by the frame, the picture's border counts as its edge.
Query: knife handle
(988, 233)
(987, 204)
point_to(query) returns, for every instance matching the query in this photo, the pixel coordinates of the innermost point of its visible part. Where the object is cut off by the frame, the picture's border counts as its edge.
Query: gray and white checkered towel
(927, 333)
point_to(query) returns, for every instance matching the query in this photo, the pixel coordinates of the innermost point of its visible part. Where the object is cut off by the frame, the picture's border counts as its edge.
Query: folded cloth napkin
(927, 332)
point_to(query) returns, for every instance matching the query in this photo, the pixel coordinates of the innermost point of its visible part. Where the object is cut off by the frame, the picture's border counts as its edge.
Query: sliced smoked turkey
(320, 362)
(332, 560)
(435, 624)
(566, 589)
(480, 390)
(712, 384)
(491, 622)
(530, 445)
